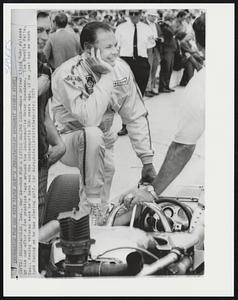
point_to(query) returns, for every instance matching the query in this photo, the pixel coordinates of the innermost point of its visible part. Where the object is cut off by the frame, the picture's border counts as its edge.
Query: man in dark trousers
(168, 49)
(135, 40)
(190, 128)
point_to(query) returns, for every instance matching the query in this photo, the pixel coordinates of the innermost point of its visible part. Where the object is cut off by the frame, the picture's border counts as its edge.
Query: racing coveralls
(83, 106)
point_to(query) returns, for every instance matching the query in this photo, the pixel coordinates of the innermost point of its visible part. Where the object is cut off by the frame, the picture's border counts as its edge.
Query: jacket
(61, 46)
(81, 99)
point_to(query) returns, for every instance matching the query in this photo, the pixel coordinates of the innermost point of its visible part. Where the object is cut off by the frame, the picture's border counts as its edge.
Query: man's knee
(94, 135)
(94, 143)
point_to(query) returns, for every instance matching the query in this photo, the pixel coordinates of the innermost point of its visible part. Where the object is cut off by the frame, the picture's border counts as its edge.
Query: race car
(164, 237)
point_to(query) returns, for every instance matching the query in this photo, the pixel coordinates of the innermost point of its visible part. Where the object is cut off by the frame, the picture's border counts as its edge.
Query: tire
(63, 195)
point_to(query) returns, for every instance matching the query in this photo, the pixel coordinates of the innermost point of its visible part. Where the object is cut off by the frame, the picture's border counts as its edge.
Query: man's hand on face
(97, 64)
(55, 153)
(148, 173)
(135, 196)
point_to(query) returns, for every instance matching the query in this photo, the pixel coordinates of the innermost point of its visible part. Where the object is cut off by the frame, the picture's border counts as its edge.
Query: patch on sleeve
(90, 83)
(74, 80)
(123, 81)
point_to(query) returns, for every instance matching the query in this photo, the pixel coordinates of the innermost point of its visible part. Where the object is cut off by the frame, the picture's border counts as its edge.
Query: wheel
(153, 220)
(63, 195)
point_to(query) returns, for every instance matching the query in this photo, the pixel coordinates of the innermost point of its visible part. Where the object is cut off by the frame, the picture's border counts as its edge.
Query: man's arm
(176, 158)
(48, 49)
(72, 91)
(87, 109)
(134, 115)
(43, 84)
(57, 148)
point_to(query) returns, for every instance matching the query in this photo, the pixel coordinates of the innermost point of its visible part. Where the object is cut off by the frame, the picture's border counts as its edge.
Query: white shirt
(192, 114)
(153, 28)
(125, 35)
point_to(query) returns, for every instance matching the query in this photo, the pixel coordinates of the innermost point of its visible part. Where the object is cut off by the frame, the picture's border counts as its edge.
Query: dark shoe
(123, 131)
(164, 91)
(149, 94)
(171, 90)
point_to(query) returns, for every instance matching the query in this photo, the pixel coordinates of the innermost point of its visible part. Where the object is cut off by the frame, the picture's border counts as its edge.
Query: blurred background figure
(154, 53)
(92, 16)
(135, 39)
(62, 44)
(79, 23)
(192, 58)
(168, 49)
(121, 17)
(180, 22)
(108, 19)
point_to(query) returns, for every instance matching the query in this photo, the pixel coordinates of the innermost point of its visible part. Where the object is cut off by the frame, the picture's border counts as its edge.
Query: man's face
(134, 16)
(152, 18)
(106, 42)
(43, 30)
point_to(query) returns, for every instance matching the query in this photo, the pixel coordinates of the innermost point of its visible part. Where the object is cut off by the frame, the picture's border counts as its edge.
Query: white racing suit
(83, 106)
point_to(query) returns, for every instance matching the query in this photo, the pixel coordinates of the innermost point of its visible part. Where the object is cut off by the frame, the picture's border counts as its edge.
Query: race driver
(87, 91)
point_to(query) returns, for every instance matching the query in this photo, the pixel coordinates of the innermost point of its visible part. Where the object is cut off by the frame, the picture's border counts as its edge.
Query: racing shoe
(149, 94)
(99, 212)
(123, 131)
(164, 90)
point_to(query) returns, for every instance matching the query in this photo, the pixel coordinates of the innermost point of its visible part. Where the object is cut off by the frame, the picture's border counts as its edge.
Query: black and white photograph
(109, 143)
(131, 67)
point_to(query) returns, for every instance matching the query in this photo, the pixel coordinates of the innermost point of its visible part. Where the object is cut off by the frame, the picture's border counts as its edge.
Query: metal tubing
(159, 264)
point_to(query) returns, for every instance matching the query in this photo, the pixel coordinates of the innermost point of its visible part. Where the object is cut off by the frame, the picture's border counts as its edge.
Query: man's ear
(87, 47)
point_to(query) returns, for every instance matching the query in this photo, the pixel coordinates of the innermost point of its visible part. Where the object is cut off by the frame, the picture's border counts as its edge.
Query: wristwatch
(150, 189)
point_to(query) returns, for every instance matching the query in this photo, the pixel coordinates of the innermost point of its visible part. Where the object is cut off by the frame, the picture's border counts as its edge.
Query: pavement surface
(163, 118)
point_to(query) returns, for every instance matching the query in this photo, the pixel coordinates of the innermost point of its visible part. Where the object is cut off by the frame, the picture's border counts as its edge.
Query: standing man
(87, 91)
(154, 54)
(135, 39)
(168, 49)
(47, 133)
(62, 44)
(191, 127)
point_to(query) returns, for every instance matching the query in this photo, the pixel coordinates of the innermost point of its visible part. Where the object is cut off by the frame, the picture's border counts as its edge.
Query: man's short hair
(88, 34)
(42, 14)
(199, 27)
(181, 14)
(61, 20)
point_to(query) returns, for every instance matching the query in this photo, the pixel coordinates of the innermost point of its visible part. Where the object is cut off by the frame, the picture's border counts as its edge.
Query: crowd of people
(96, 63)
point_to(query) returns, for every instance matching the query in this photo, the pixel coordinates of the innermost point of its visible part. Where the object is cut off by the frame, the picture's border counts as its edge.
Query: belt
(135, 58)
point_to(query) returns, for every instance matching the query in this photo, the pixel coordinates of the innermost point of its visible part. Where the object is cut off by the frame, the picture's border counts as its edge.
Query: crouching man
(87, 91)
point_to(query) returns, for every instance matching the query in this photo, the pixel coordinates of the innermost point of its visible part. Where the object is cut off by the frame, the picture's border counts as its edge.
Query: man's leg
(187, 73)
(163, 78)
(170, 59)
(85, 149)
(141, 72)
(150, 60)
(109, 170)
(155, 64)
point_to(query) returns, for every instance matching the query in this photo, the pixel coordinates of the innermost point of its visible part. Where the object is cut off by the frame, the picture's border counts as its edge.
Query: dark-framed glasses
(134, 13)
